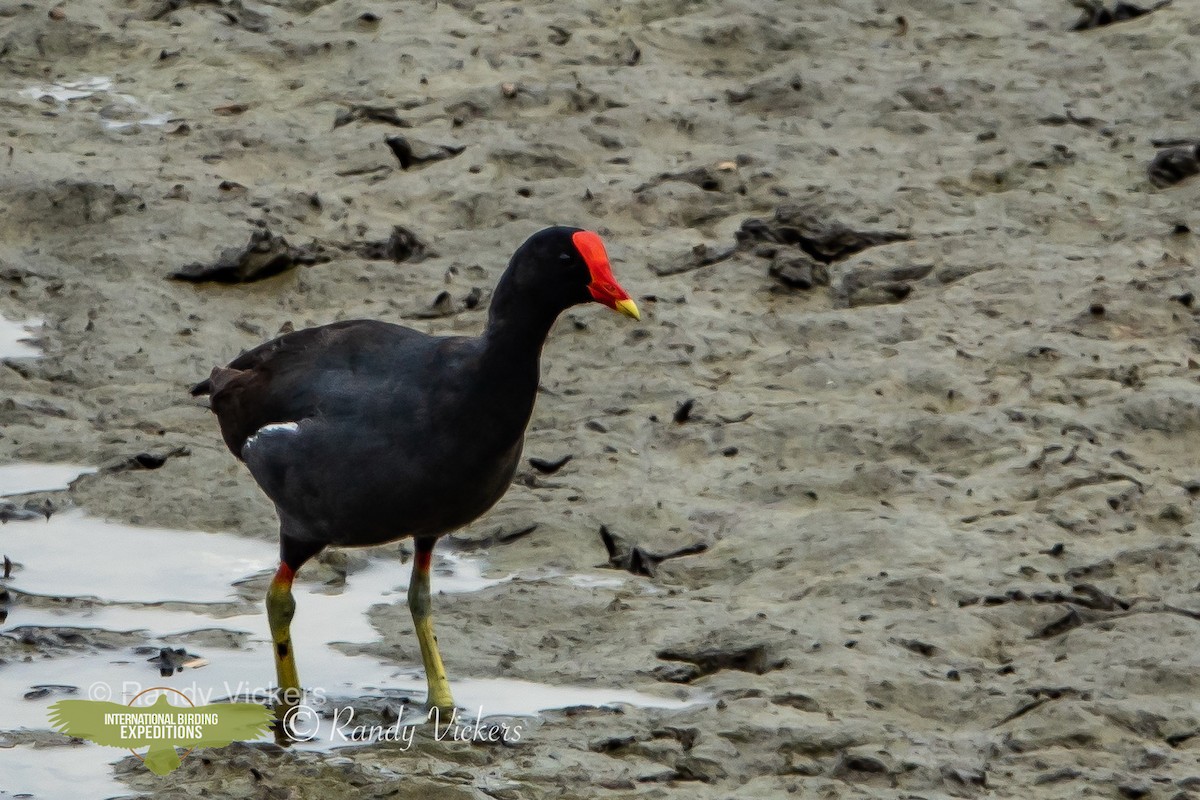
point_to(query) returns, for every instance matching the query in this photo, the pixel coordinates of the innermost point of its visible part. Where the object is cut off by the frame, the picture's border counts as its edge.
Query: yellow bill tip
(628, 308)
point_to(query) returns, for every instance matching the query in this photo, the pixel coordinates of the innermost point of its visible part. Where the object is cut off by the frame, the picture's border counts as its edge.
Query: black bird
(364, 432)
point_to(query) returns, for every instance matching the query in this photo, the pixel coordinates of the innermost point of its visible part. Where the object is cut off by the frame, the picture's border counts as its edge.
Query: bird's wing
(303, 374)
(85, 719)
(289, 345)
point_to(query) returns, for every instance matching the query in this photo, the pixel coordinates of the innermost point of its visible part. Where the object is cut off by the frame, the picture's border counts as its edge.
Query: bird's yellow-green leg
(419, 605)
(280, 608)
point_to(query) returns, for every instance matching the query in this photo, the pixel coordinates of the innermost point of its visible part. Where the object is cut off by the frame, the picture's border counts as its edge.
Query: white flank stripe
(274, 427)
(278, 426)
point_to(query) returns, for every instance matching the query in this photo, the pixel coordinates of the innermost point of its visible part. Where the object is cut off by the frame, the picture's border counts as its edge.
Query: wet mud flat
(98, 610)
(917, 365)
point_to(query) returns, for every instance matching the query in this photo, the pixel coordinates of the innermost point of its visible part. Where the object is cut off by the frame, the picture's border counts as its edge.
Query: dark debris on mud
(635, 559)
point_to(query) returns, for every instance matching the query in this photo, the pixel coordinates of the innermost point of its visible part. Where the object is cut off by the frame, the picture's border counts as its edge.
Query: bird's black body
(364, 432)
(396, 433)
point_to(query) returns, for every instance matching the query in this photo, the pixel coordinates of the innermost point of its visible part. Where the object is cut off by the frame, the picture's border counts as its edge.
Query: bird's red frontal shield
(604, 287)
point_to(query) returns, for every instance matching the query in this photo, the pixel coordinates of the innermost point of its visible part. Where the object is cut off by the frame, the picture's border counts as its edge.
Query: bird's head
(568, 266)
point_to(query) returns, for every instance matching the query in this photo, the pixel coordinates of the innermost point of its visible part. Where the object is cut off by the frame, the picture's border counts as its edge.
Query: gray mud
(950, 548)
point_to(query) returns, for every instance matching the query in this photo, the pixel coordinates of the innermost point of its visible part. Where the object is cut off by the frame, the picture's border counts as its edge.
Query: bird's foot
(443, 716)
(439, 704)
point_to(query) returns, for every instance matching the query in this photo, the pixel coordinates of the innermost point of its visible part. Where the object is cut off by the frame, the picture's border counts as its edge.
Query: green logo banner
(160, 726)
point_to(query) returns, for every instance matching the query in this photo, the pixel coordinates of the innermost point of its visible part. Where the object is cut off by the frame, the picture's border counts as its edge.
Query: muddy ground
(948, 489)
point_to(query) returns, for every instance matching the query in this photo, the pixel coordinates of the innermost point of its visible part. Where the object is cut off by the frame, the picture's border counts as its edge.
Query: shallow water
(179, 589)
(66, 91)
(14, 338)
(76, 771)
(484, 697)
(597, 581)
(73, 555)
(123, 111)
(28, 477)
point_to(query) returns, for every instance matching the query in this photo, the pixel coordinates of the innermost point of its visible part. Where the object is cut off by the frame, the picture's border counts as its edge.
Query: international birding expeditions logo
(160, 725)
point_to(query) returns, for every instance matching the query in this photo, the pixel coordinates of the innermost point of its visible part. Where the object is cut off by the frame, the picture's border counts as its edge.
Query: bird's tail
(202, 388)
(216, 381)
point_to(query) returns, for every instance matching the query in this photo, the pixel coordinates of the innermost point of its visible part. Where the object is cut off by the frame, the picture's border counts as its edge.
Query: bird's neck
(510, 365)
(518, 325)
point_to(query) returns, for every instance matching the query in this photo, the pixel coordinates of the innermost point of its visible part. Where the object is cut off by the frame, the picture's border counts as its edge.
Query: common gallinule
(364, 432)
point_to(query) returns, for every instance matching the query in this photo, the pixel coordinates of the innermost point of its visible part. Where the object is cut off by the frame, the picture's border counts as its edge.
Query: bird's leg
(418, 603)
(280, 608)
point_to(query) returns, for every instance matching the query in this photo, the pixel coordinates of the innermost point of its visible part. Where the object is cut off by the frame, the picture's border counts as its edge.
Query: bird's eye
(564, 256)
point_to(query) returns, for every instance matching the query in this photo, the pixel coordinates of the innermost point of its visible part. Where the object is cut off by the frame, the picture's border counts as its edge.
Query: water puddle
(511, 697)
(15, 336)
(66, 91)
(120, 112)
(73, 555)
(98, 600)
(59, 772)
(597, 581)
(26, 477)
